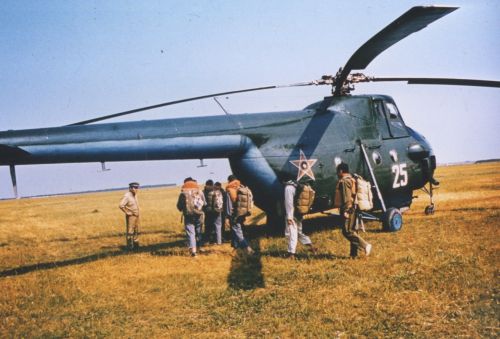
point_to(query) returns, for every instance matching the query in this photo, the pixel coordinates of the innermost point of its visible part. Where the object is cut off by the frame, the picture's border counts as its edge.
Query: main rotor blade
(410, 22)
(115, 115)
(442, 81)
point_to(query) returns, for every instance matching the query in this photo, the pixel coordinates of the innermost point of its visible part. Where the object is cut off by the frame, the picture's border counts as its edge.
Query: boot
(136, 245)
(354, 251)
(312, 249)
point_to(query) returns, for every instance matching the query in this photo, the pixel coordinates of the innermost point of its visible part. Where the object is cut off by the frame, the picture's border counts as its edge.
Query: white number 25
(400, 175)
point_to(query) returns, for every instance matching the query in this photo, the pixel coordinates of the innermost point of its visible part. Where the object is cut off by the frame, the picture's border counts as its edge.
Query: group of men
(212, 206)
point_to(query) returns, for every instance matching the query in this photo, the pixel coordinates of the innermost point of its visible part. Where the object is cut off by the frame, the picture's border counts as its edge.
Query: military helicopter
(365, 131)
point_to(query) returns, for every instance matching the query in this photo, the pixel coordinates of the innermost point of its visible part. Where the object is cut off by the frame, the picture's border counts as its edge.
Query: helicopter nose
(421, 152)
(418, 152)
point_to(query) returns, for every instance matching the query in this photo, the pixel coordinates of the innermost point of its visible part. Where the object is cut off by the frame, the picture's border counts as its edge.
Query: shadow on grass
(109, 235)
(89, 258)
(302, 256)
(246, 270)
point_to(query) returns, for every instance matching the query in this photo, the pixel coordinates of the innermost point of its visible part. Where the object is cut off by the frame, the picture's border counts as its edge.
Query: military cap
(134, 184)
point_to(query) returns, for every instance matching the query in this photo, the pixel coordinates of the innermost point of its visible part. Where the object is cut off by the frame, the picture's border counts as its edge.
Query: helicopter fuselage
(261, 147)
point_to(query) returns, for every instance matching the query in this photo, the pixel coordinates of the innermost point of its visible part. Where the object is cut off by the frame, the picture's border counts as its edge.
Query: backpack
(304, 198)
(193, 202)
(364, 195)
(215, 201)
(244, 201)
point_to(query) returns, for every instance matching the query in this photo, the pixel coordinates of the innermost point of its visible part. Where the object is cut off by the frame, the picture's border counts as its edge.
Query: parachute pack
(304, 198)
(215, 201)
(193, 202)
(244, 201)
(364, 195)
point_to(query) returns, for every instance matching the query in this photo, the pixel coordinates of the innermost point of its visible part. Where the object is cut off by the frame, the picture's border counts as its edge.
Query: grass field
(63, 272)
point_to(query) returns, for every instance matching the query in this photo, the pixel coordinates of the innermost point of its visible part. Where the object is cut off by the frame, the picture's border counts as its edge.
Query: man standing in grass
(237, 208)
(298, 201)
(213, 211)
(344, 197)
(130, 206)
(191, 202)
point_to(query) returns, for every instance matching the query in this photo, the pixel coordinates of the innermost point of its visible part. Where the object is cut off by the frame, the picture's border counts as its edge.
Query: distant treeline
(487, 160)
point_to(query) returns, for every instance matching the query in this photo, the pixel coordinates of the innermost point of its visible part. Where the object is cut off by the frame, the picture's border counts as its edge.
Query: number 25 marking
(400, 175)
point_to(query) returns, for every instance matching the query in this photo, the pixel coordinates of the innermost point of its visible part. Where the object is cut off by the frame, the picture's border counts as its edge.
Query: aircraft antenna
(222, 107)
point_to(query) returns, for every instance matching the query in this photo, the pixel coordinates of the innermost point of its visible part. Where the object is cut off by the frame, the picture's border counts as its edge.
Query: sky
(67, 61)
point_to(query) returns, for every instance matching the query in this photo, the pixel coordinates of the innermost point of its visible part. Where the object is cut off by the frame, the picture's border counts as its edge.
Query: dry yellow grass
(63, 272)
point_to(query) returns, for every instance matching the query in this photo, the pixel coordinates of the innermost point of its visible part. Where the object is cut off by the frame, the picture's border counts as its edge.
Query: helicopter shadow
(155, 248)
(246, 270)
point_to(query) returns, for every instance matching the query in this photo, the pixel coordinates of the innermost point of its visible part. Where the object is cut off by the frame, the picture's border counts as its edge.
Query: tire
(393, 220)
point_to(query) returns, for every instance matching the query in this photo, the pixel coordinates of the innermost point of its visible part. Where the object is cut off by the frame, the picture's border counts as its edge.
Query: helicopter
(365, 131)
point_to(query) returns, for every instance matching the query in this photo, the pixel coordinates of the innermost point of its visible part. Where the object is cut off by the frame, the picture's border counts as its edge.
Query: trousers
(132, 223)
(237, 238)
(294, 234)
(350, 233)
(213, 225)
(192, 227)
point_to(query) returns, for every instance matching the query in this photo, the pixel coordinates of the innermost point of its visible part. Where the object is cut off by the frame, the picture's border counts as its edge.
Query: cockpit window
(393, 110)
(396, 124)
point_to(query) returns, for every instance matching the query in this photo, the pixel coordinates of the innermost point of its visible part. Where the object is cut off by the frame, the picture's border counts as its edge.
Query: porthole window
(377, 159)
(394, 155)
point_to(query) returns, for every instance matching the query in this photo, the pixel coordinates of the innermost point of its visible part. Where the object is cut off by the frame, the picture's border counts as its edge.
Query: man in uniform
(237, 221)
(293, 226)
(345, 193)
(130, 206)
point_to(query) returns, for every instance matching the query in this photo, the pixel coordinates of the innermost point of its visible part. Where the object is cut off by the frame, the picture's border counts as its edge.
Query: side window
(396, 124)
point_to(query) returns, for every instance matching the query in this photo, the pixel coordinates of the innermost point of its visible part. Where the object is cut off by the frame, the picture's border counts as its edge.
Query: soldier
(130, 206)
(344, 194)
(237, 211)
(295, 205)
(213, 211)
(190, 203)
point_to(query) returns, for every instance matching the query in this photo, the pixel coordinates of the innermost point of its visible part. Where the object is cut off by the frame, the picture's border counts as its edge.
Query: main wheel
(393, 220)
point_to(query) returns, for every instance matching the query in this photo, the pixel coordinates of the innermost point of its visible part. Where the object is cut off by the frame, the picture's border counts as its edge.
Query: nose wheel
(429, 209)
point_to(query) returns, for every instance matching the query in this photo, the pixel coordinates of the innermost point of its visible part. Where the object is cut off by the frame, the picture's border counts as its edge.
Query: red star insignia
(304, 166)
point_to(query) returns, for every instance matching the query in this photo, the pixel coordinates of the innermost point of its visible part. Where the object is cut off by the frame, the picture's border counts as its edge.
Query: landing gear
(429, 209)
(392, 220)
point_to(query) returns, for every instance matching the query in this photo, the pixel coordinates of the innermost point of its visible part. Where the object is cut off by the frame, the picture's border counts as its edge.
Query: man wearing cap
(130, 206)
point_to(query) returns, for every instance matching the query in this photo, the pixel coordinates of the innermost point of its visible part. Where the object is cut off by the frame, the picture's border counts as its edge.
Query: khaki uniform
(346, 191)
(130, 205)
